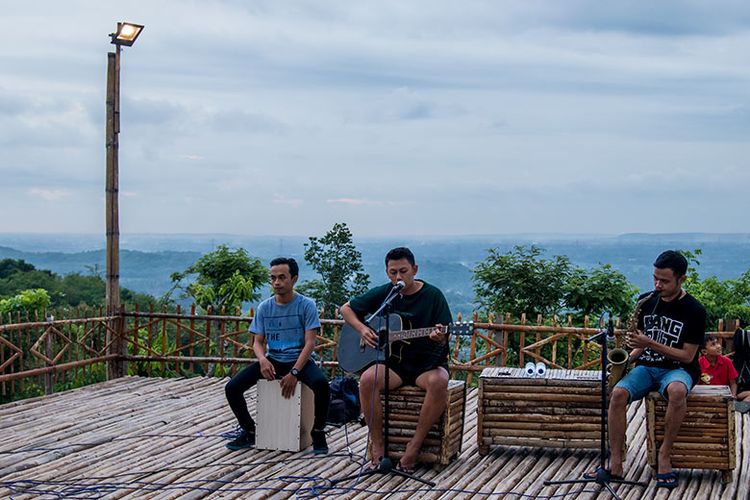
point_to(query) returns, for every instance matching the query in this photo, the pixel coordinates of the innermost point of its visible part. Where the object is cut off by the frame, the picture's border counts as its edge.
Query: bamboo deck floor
(162, 438)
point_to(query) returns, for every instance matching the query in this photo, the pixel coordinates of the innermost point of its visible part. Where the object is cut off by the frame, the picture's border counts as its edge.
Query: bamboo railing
(43, 356)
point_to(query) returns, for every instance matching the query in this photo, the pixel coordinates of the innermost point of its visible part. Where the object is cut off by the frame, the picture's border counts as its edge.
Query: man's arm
(684, 354)
(368, 335)
(289, 381)
(733, 387)
(634, 355)
(266, 367)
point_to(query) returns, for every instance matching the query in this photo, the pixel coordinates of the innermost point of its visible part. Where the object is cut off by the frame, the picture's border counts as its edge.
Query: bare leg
(371, 385)
(617, 425)
(676, 408)
(435, 382)
(744, 396)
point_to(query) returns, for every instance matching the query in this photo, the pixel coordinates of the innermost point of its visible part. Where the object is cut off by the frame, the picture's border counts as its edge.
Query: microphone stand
(603, 479)
(386, 464)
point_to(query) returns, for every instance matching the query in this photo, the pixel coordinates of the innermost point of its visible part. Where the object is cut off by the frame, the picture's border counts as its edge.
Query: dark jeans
(310, 375)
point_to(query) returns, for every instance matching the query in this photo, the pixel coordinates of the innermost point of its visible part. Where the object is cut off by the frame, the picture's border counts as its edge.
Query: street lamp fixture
(126, 34)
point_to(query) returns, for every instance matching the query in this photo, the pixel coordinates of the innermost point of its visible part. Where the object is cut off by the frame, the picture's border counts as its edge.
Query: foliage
(522, 281)
(71, 290)
(723, 299)
(598, 291)
(338, 262)
(12, 266)
(224, 278)
(36, 299)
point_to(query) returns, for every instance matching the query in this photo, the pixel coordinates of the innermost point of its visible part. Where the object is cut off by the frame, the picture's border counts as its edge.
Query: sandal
(667, 480)
(594, 475)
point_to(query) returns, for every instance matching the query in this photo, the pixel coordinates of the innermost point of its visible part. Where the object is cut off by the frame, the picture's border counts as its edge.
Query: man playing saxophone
(664, 348)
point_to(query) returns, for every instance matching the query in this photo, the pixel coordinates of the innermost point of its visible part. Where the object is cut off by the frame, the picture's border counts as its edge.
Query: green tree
(338, 262)
(11, 266)
(223, 278)
(598, 291)
(723, 299)
(522, 282)
(71, 290)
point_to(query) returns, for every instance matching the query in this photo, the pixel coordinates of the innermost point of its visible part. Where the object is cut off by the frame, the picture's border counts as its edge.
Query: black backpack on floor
(344, 405)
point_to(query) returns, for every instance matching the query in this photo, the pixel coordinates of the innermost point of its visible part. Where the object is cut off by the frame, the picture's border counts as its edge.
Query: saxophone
(617, 359)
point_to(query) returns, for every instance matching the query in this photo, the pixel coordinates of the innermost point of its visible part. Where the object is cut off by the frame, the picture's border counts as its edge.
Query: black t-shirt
(423, 309)
(675, 323)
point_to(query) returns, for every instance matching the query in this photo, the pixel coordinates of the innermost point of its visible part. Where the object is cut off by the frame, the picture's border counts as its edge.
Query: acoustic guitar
(355, 356)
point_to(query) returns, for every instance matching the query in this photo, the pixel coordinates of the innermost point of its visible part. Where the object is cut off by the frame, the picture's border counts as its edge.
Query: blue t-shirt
(284, 326)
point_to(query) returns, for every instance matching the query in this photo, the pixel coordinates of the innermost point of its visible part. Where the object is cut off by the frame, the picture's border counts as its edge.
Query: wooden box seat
(443, 441)
(560, 409)
(706, 439)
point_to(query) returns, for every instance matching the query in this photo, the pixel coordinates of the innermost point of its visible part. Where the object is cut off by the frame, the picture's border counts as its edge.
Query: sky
(422, 117)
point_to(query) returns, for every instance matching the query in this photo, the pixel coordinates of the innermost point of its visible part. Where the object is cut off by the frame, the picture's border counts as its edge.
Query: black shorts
(408, 371)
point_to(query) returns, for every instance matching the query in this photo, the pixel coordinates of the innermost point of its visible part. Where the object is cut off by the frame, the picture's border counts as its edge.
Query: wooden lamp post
(126, 35)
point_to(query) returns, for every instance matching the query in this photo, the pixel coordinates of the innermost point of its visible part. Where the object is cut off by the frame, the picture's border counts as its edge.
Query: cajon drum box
(283, 424)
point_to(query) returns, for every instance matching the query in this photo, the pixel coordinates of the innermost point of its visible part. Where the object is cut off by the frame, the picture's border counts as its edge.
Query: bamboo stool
(443, 441)
(284, 424)
(562, 409)
(707, 435)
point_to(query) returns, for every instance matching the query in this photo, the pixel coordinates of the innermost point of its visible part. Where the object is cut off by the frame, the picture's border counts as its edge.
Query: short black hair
(400, 253)
(674, 260)
(293, 267)
(710, 337)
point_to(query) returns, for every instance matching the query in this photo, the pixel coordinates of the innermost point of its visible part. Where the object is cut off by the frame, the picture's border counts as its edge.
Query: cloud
(192, 157)
(283, 200)
(50, 194)
(352, 201)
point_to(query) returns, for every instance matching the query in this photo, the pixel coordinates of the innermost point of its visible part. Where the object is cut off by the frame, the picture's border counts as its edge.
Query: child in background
(717, 369)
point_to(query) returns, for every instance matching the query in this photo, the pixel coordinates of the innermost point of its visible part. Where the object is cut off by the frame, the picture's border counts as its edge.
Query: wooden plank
(157, 438)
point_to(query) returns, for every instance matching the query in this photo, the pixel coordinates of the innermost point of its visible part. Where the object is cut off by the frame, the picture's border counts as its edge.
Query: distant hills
(148, 260)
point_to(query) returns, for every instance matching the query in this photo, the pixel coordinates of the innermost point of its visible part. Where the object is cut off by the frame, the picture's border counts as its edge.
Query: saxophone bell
(617, 365)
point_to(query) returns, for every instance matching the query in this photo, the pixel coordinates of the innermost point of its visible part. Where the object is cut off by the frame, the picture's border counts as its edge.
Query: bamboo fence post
(500, 359)
(522, 342)
(473, 350)
(150, 337)
(191, 338)
(207, 341)
(222, 333)
(136, 330)
(3, 388)
(235, 347)
(538, 336)
(164, 341)
(49, 382)
(178, 337)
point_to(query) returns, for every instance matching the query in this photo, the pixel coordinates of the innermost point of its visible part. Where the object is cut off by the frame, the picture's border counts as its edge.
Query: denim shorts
(641, 380)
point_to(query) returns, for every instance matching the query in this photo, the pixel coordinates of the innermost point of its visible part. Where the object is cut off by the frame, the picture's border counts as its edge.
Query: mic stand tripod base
(603, 479)
(385, 467)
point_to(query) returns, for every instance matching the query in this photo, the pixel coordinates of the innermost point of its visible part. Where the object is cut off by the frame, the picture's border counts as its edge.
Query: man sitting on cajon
(288, 321)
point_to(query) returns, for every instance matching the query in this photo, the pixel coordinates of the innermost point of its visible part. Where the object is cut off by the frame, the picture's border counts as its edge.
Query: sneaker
(320, 446)
(244, 440)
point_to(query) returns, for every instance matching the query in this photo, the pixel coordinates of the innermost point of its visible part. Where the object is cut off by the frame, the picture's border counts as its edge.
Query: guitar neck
(412, 334)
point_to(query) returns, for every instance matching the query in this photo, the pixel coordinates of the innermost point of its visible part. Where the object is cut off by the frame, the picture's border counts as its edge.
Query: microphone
(399, 286)
(609, 332)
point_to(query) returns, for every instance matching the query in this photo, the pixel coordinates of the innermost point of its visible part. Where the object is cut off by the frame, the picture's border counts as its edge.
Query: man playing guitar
(419, 361)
